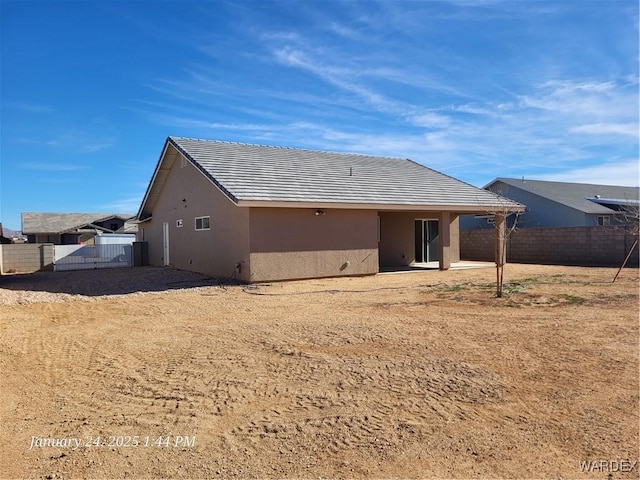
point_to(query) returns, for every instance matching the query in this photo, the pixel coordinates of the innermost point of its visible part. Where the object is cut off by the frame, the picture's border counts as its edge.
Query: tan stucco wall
(272, 266)
(397, 237)
(213, 252)
(295, 243)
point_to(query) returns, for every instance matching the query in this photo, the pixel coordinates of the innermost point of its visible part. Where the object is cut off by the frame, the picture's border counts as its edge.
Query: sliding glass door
(426, 236)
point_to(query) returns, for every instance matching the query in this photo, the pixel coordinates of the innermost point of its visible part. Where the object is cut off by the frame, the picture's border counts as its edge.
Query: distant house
(73, 228)
(561, 204)
(262, 213)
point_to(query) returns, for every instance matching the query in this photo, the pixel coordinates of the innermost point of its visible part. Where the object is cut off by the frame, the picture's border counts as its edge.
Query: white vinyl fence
(106, 253)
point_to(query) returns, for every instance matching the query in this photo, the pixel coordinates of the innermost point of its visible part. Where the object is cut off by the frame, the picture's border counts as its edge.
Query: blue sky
(477, 89)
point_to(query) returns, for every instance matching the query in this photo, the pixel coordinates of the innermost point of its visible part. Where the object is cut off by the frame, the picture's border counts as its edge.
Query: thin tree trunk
(500, 249)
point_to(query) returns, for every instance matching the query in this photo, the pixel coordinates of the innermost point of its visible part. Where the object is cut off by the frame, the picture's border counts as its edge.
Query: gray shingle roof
(47, 222)
(255, 173)
(576, 195)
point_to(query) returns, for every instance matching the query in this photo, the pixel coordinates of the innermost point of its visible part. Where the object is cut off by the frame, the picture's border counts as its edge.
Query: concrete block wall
(597, 246)
(477, 245)
(26, 258)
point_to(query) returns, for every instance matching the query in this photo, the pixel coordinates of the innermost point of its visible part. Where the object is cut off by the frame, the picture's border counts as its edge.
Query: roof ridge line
(283, 147)
(519, 180)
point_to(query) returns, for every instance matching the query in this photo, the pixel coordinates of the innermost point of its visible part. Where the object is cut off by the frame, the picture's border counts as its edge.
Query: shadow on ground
(113, 281)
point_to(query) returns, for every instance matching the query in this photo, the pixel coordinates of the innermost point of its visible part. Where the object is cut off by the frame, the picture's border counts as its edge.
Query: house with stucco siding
(264, 213)
(562, 204)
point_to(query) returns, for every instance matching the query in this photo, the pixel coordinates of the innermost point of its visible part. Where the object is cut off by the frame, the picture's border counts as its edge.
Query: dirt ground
(153, 373)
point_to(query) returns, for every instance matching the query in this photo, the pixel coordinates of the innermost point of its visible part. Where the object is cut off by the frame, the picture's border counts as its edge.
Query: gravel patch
(59, 287)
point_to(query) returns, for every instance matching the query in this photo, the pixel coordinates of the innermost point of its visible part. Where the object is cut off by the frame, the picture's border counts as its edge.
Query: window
(604, 220)
(202, 223)
(179, 223)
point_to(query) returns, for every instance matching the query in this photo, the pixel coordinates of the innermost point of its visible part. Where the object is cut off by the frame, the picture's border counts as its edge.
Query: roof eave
(143, 204)
(460, 209)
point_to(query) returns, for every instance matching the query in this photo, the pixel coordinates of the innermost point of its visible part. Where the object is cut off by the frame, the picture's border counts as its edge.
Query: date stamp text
(114, 441)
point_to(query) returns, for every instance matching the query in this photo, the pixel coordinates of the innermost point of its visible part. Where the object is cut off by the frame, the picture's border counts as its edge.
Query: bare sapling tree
(629, 221)
(505, 217)
(502, 234)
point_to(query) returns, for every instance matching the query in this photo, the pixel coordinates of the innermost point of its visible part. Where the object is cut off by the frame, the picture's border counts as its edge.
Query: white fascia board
(153, 179)
(383, 207)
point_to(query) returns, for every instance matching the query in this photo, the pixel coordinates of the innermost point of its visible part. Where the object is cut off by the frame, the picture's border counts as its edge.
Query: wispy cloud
(78, 146)
(345, 78)
(215, 126)
(32, 108)
(628, 129)
(73, 141)
(51, 166)
(585, 100)
(286, 36)
(344, 31)
(624, 172)
(430, 120)
(96, 147)
(125, 204)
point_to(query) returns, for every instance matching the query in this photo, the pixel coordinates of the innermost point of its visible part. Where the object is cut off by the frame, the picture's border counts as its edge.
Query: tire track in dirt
(307, 387)
(134, 380)
(329, 393)
(177, 389)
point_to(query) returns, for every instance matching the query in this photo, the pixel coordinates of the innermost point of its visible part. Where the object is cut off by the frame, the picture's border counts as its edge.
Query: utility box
(140, 254)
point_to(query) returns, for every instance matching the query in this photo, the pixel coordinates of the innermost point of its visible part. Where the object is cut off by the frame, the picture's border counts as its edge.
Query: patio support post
(444, 240)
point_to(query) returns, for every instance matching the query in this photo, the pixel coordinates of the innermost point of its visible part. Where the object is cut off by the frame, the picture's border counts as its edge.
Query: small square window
(203, 223)
(179, 223)
(604, 220)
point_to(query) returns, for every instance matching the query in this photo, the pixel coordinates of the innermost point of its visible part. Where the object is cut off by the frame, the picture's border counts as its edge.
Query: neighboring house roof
(585, 197)
(257, 175)
(57, 223)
